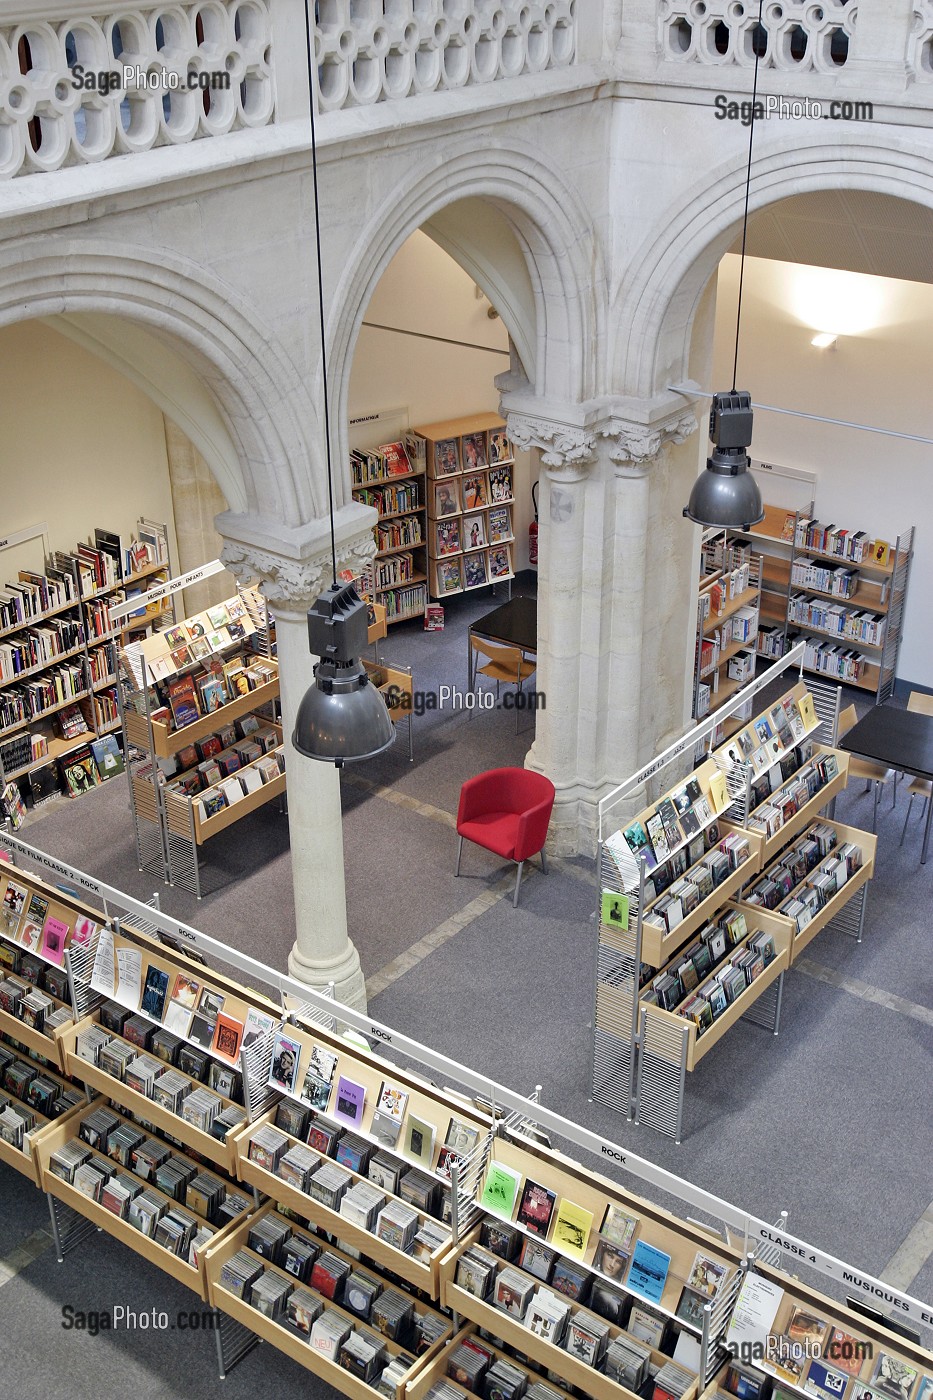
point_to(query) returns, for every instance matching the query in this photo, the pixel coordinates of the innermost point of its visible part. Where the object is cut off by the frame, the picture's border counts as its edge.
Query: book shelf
(728, 607)
(771, 780)
(841, 590)
(56, 666)
(198, 704)
(470, 503)
(391, 478)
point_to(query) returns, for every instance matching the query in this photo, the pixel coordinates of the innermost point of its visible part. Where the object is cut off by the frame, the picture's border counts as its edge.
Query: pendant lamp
(726, 496)
(342, 717)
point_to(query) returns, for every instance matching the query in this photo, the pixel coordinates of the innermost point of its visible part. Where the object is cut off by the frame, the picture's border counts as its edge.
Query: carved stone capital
(636, 445)
(293, 576)
(566, 450)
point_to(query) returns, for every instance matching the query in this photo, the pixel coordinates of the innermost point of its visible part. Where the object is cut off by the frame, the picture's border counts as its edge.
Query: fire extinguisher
(533, 530)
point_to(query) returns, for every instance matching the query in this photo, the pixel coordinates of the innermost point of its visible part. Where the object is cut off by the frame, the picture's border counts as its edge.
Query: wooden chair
(919, 787)
(864, 768)
(503, 664)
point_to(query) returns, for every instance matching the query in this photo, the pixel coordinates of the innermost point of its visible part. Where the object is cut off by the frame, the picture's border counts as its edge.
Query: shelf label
(165, 590)
(56, 867)
(898, 1304)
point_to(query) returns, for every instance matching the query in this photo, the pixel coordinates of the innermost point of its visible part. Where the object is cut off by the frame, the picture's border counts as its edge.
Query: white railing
(82, 89)
(795, 36)
(372, 51)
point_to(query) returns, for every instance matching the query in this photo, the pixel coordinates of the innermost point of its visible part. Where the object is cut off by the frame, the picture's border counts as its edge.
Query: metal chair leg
(543, 861)
(907, 818)
(459, 853)
(518, 884)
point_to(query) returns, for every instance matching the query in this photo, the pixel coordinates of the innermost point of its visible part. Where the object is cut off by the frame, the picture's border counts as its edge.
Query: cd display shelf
(189, 1272)
(518, 1144)
(171, 824)
(864, 1347)
(290, 1342)
(25, 1159)
(430, 1107)
(90, 683)
(791, 571)
(673, 1240)
(727, 624)
(470, 503)
(643, 1053)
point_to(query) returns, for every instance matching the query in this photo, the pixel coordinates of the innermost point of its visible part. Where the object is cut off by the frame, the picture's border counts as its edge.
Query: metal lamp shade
(343, 719)
(726, 496)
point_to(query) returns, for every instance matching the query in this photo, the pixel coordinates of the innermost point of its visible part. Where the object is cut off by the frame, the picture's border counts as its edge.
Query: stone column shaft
(323, 951)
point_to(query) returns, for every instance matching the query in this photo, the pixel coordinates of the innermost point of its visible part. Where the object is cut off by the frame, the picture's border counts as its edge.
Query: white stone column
(595, 578)
(323, 951)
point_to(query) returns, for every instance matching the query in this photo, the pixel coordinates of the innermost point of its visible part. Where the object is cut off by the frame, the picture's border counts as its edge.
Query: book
(462, 1137)
(155, 993)
(183, 700)
(419, 1139)
(825, 1382)
(500, 1190)
(286, 1054)
(536, 1207)
(618, 1226)
(611, 1259)
(54, 936)
(648, 1271)
(228, 1036)
(107, 756)
(571, 1229)
(845, 1352)
(350, 1101)
(319, 1078)
(706, 1275)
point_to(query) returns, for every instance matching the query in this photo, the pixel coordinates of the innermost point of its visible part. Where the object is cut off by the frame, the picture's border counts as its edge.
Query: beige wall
(80, 447)
(425, 291)
(878, 375)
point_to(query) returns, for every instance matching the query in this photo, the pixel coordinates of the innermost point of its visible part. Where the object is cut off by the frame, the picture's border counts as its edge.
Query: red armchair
(506, 810)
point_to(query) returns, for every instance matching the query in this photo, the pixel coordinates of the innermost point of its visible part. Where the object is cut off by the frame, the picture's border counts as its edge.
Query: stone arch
(261, 399)
(677, 260)
(557, 242)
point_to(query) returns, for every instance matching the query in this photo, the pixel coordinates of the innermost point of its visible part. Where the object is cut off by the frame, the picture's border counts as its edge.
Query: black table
(901, 739)
(515, 624)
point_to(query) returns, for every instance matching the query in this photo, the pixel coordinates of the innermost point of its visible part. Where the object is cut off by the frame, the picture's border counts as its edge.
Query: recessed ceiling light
(824, 341)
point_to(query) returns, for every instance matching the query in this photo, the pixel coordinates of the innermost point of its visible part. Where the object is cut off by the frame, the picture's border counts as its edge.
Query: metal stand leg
(518, 883)
(926, 831)
(69, 1229)
(234, 1341)
(459, 852)
(874, 811)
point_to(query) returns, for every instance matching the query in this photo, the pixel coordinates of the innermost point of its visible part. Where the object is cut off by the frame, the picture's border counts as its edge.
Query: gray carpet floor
(830, 1121)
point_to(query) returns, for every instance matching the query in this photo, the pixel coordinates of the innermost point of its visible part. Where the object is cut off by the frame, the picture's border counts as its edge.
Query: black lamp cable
(748, 181)
(320, 288)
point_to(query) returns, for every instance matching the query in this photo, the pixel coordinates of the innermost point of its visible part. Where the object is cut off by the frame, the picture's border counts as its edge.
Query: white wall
(425, 291)
(81, 446)
(878, 375)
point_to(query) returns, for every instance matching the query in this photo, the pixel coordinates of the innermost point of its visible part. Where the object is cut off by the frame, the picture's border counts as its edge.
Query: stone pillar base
(343, 970)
